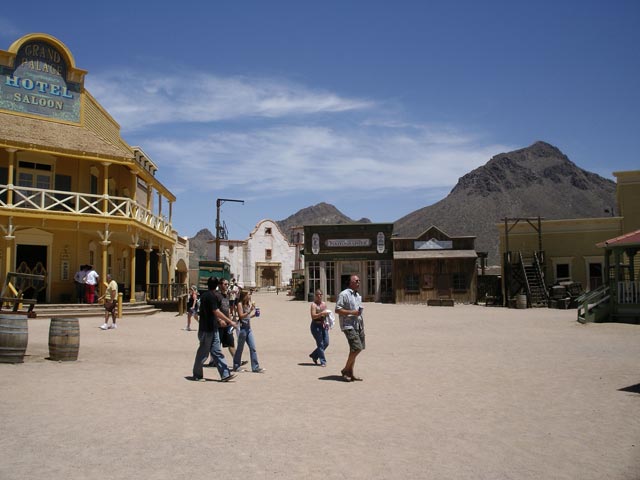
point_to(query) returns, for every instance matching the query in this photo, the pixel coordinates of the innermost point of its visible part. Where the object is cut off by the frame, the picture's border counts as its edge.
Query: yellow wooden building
(72, 191)
(567, 249)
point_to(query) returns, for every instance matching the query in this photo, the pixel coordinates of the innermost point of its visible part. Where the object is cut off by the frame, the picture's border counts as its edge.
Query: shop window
(563, 272)
(412, 283)
(330, 270)
(371, 277)
(459, 281)
(314, 277)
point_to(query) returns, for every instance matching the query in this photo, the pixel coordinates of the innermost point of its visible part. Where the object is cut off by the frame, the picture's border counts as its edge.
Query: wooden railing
(628, 292)
(166, 292)
(75, 203)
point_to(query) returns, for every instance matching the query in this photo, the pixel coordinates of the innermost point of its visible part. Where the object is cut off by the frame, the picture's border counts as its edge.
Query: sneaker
(239, 369)
(259, 370)
(188, 329)
(231, 376)
(114, 325)
(104, 326)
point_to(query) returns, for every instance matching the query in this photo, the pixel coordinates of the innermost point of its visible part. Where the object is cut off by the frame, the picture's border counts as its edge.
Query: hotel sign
(37, 84)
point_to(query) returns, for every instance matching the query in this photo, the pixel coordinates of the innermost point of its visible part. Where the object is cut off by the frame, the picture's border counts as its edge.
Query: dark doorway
(32, 259)
(141, 269)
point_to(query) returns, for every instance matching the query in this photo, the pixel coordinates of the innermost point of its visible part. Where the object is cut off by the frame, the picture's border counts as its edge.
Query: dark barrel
(64, 339)
(14, 336)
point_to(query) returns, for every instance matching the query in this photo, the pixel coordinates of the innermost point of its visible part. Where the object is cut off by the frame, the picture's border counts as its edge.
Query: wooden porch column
(132, 269)
(105, 188)
(10, 174)
(159, 261)
(148, 268)
(104, 268)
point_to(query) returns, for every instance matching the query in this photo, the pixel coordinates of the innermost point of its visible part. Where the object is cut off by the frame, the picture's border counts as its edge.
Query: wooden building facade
(332, 253)
(72, 191)
(434, 266)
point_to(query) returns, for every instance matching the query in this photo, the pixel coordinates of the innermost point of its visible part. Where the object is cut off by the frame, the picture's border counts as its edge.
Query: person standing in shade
(78, 278)
(319, 329)
(90, 281)
(349, 307)
(110, 303)
(208, 335)
(246, 310)
(192, 306)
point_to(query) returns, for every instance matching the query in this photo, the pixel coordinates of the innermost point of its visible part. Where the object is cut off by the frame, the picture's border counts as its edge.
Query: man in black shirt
(208, 335)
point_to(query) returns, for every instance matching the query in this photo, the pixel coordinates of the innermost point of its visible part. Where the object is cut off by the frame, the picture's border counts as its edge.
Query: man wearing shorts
(349, 308)
(110, 303)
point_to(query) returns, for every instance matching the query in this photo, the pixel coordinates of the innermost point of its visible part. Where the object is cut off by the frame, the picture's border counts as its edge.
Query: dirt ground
(467, 392)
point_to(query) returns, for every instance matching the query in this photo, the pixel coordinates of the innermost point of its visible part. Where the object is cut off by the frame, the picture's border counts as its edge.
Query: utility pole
(220, 231)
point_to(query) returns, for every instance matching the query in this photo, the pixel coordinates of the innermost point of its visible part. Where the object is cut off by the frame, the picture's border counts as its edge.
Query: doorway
(32, 259)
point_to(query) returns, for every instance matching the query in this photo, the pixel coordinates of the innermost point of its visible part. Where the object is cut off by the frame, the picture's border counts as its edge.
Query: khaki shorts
(355, 339)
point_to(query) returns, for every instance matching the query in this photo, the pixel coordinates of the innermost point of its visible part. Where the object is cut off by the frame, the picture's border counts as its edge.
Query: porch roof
(433, 254)
(630, 239)
(48, 136)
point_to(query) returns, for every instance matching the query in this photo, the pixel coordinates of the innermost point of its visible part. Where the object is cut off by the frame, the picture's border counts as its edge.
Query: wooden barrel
(14, 336)
(64, 339)
(521, 301)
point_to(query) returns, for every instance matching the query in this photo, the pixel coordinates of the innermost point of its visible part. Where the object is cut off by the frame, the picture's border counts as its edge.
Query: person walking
(349, 308)
(110, 303)
(208, 335)
(192, 306)
(246, 310)
(319, 329)
(90, 281)
(226, 323)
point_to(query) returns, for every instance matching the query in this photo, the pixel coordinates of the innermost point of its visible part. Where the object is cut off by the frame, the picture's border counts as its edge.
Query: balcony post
(132, 269)
(10, 174)
(105, 188)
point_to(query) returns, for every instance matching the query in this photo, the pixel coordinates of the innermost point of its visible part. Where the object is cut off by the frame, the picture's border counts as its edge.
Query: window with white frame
(562, 268)
(330, 270)
(314, 276)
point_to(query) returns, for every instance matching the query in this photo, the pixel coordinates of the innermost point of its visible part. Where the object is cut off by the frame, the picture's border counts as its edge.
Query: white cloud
(310, 159)
(265, 138)
(138, 99)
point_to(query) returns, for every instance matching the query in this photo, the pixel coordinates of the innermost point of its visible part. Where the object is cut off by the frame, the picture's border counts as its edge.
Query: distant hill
(201, 248)
(537, 180)
(320, 214)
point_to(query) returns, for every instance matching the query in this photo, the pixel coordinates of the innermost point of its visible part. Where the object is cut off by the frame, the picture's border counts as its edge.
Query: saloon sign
(38, 84)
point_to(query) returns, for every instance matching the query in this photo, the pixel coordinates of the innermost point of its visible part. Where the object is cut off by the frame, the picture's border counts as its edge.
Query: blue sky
(376, 107)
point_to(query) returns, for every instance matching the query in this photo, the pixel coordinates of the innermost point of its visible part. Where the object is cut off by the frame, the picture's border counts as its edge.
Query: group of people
(218, 318)
(349, 308)
(86, 279)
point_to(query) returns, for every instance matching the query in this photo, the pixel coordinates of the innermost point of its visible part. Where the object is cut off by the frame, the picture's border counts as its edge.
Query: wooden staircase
(536, 290)
(595, 306)
(76, 310)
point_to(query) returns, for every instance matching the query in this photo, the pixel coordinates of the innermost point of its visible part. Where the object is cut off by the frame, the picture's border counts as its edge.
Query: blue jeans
(210, 342)
(321, 336)
(246, 335)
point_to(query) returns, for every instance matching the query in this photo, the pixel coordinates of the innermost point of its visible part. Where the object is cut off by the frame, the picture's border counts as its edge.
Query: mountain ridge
(538, 180)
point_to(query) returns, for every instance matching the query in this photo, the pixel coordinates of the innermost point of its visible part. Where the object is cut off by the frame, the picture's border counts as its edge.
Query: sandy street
(449, 393)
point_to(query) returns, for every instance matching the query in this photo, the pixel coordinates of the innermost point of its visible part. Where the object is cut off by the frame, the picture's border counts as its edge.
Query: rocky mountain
(201, 247)
(320, 214)
(535, 181)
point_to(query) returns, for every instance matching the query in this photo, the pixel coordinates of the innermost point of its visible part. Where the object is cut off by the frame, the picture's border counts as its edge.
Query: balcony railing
(27, 198)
